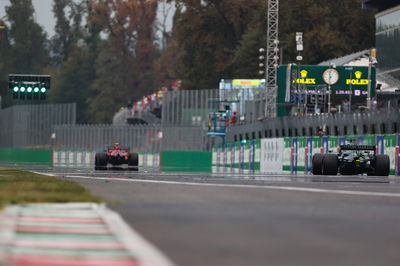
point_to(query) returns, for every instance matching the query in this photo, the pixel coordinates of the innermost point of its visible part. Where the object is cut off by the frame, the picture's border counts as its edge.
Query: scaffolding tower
(272, 59)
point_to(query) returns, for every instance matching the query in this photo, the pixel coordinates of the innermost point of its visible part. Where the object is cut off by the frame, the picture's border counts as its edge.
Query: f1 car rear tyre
(100, 161)
(330, 164)
(382, 165)
(133, 161)
(317, 163)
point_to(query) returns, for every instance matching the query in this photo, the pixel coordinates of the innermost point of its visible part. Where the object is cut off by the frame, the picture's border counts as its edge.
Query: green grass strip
(18, 187)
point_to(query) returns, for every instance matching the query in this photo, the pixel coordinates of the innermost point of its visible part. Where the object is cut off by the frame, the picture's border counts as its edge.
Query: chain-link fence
(98, 137)
(143, 138)
(31, 125)
(190, 107)
(382, 121)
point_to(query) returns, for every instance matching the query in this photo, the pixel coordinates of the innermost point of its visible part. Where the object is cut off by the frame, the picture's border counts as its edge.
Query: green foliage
(71, 83)
(329, 31)
(208, 33)
(245, 61)
(17, 187)
(68, 29)
(28, 51)
(104, 52)
(111, 87)
(220, 39)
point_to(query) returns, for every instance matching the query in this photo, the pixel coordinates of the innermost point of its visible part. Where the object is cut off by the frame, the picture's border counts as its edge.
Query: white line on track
(286, 188)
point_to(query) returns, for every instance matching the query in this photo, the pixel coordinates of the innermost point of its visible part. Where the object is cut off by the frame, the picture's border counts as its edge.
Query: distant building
(387, 34)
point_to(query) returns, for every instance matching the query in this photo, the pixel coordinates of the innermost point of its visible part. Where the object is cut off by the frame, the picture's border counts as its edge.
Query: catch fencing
(31, 125)
(382, 121)
(192, 107)
(98, 137)
(140, 138)
(183, 127)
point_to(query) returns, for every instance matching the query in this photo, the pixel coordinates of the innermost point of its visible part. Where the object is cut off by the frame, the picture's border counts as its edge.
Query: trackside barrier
(398, 155)
(294, 155)
(42, 157)
(149, 160)
(186, 161)
(85, 159)
(73, 159)
(240, 157)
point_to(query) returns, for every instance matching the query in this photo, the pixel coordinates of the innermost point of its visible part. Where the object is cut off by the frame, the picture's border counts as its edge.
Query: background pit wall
(85, 159)
(293, 154)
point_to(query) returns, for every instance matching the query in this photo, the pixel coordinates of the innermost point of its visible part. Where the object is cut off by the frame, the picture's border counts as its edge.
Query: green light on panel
(29, 89)
(43, 89)
(36, 89)
(16, 89)
(22, 89)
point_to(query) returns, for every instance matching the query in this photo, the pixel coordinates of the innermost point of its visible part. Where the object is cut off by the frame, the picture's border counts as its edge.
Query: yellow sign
(2, 27)
(305, 81)
(357, 80)
(246, 82)
(303, 78)
(303, 73)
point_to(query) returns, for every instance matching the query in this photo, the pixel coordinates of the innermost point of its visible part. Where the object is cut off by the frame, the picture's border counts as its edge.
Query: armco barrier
(26, 156)
(296, 152)
(85, 159)
(73, 159)
(186, 161)
(240, 157)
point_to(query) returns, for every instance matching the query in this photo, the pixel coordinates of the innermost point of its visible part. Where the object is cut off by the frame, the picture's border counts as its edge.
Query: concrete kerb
(130, 240)
(7, 232)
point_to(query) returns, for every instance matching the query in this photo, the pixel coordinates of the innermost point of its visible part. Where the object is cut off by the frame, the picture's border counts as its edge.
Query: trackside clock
(330, 76)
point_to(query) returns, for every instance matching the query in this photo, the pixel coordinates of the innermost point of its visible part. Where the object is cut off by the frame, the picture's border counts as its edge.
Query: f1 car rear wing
(357, 147)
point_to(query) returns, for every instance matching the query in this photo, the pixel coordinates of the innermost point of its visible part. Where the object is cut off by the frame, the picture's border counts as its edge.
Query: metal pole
(351, 92)
(329, 99)
(369, 84)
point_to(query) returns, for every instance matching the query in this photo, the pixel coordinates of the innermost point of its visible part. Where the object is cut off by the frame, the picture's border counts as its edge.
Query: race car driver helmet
(116, 146)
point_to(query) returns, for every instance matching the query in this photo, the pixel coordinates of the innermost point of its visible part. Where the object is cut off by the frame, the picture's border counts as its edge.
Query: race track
(224, 219)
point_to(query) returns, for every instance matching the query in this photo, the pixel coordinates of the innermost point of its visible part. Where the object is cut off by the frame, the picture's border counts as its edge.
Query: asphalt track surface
(225, 219)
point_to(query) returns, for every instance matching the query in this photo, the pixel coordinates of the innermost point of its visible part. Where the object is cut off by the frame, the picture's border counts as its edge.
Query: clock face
(330, 76)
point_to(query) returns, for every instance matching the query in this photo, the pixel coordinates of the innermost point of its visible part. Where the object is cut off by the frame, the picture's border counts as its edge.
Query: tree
(28, 51)
(4, 64)
(72, 82)
(220, 38)
(124, 67)
(245, 62)
(329, 31)
(68, 29)
(75, 50)
(164, 72)
(4, 48)
(208, 33)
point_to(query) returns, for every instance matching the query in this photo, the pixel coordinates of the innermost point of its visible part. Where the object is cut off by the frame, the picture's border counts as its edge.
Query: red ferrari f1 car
(116, 156)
